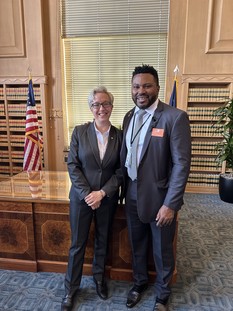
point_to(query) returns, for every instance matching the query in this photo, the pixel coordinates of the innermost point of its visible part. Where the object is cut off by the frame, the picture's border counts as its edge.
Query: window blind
(102, 42)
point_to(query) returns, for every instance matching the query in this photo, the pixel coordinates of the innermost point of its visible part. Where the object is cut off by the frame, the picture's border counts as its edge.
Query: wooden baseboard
(59, 267)
(51, 266)
(17, 264)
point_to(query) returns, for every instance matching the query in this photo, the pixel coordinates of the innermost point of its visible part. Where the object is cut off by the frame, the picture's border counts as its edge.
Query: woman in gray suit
(94, 170)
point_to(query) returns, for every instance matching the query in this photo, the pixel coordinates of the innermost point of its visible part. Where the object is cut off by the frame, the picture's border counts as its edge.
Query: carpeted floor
(204, 264)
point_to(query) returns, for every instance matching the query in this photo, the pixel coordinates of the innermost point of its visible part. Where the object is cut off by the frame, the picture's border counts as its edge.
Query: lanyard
(139, 130)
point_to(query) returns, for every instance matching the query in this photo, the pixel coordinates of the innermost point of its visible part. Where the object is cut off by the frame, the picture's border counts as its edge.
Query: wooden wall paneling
(208, 29)
(12, 38)
(17, 236)
(26, 15)
(52, 235)
(219, 32)
(176, 46)
(53, 67)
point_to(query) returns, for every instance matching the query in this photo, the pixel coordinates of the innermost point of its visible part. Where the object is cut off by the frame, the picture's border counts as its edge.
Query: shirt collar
(107, 132)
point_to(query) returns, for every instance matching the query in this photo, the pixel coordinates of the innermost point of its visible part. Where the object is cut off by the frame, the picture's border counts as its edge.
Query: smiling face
(101, 112)
(144, 90)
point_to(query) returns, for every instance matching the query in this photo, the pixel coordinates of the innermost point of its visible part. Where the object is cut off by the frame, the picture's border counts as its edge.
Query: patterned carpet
(204, 264)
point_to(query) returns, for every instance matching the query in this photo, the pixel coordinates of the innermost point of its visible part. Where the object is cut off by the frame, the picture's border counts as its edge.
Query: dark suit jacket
(165, 161)
(86, 171)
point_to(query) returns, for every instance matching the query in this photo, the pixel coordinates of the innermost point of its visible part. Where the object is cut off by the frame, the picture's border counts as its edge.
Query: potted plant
(223, 125)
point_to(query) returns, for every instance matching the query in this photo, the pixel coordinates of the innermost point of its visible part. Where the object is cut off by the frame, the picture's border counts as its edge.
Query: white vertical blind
(103, 41)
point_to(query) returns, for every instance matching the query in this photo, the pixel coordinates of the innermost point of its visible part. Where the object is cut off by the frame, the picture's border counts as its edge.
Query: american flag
(33, 143)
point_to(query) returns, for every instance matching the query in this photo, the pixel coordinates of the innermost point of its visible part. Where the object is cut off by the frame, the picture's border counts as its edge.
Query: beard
(144, 101)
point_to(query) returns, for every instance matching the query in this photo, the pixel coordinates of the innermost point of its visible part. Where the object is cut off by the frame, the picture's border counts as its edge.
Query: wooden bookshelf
(202, 100)
(13, 102)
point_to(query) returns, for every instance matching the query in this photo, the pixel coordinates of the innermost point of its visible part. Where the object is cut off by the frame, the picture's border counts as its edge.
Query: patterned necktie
(132, 169)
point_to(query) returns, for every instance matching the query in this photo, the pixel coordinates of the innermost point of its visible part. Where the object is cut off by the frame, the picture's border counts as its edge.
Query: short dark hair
(146, 69)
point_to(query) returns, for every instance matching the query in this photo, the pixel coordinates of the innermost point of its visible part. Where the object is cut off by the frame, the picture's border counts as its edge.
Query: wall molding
(207, 78)
(18, 80)
(12, 36)
(219, 29)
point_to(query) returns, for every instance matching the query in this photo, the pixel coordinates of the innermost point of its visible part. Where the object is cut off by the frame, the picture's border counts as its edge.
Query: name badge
(157, 132)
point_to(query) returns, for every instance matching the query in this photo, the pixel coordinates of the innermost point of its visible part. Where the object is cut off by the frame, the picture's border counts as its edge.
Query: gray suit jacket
(86, 171)
(165, 161)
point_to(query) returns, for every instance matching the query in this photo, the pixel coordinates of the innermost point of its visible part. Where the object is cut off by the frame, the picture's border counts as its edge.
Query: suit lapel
(153, 124)
(110, 146)
(93, 142)
(126, 123)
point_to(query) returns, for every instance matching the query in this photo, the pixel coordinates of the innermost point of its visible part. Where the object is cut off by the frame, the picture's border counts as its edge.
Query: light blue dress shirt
(146, 122)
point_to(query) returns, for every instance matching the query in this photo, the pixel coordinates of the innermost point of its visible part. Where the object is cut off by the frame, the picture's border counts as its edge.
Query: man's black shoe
(101, 289)
(135, 295)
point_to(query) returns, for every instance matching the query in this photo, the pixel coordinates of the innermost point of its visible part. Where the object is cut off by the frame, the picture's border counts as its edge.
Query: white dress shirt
(102, 139)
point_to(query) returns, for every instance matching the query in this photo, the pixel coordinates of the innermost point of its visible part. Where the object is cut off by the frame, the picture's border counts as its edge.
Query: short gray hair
(99, 89)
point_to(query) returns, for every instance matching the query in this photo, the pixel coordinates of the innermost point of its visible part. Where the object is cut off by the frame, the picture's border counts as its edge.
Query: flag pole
(176, 70)
(29, 73)
(173, 98)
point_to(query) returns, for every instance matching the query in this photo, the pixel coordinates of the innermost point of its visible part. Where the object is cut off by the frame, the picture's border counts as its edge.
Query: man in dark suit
(154, 196)
(95, 174)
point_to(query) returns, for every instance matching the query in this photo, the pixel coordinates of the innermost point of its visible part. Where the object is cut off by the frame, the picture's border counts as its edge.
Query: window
(102, 41)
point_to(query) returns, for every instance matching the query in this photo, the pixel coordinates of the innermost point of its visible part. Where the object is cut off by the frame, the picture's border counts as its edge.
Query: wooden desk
(35, 230)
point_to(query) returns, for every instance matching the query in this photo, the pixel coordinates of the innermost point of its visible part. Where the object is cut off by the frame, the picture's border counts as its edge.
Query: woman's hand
(94, 198)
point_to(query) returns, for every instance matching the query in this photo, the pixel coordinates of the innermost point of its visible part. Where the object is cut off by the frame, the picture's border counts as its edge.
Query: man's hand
(165, 216)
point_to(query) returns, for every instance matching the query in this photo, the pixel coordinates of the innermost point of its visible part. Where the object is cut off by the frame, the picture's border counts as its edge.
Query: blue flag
(173, 98)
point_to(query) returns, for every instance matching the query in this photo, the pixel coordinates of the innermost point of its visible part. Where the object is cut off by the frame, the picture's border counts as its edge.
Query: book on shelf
(20, 110)
(21, 93)
(204, 147)
(200, 179)
(205, 130)
(204, 163)
(4, 169)
(1, 93)
(208, 94)
(201, 113)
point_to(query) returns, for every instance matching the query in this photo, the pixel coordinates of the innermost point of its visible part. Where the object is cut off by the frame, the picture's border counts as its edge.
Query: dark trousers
(162, 243)
(81, 216)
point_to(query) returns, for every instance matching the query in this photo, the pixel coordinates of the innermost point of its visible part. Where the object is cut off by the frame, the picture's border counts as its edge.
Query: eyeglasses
(104, 105)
